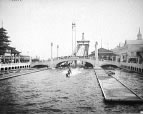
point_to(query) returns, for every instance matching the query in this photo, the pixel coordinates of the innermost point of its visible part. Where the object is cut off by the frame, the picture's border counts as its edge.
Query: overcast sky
(33, 24)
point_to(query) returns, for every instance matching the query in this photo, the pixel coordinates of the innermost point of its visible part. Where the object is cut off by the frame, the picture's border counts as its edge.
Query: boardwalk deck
(113, 90)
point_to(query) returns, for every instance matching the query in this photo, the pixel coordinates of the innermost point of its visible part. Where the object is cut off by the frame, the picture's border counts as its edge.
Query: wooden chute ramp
(114, 90)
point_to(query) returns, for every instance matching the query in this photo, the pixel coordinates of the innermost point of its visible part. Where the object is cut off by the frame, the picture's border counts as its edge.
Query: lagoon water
(50, 92)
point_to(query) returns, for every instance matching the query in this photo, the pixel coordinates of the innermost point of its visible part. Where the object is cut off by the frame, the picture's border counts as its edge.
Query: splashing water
(73, 71)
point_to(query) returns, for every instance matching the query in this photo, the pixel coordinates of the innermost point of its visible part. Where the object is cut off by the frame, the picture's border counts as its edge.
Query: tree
(4, 41)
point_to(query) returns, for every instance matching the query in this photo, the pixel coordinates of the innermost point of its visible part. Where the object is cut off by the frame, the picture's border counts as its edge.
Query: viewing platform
(114, 90)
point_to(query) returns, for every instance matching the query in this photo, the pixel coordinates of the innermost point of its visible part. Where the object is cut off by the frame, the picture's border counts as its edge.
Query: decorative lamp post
(57, 50)
(73, 37)
(51, 50)
(96, 52)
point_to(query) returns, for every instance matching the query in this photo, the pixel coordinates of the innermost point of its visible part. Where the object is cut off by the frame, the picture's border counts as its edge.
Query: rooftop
(137, 42)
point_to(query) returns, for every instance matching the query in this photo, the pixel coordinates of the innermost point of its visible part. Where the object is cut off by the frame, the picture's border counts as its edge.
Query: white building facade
(130, 55)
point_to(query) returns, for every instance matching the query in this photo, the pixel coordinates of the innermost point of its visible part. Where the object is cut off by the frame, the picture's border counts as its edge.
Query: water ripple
(51, 92)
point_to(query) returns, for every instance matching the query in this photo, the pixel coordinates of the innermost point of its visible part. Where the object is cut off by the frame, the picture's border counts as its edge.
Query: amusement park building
(104, 54)
(131, 51)
(9, 54)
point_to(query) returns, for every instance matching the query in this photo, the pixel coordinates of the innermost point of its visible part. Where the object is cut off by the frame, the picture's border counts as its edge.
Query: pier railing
(14, 66)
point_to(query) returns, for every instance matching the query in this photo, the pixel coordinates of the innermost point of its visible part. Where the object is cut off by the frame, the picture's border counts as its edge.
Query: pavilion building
(9, 54)
(104, 54)
(131, 51)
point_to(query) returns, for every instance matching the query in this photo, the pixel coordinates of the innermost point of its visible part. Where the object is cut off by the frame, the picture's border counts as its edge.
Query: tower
(82, 47)
(73, 37)
(139, 35)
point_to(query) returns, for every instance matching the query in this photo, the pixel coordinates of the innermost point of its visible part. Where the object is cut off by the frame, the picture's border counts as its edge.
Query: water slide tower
(82, 47)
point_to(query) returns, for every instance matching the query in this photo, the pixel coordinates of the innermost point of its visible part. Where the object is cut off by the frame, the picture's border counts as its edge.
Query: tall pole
(75, 39)
(57, 50)
(101, 42)
(96, 53)
(72, 36)
(83, 44)
(51, 50)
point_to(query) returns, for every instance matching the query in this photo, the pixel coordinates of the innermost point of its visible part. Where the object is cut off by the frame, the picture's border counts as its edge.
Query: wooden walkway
(113, 90)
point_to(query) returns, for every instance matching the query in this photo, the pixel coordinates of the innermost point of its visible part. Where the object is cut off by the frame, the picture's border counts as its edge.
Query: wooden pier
(114, 90)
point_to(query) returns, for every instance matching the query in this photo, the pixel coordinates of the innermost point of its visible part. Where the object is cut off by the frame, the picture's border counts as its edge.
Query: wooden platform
(113, 90)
